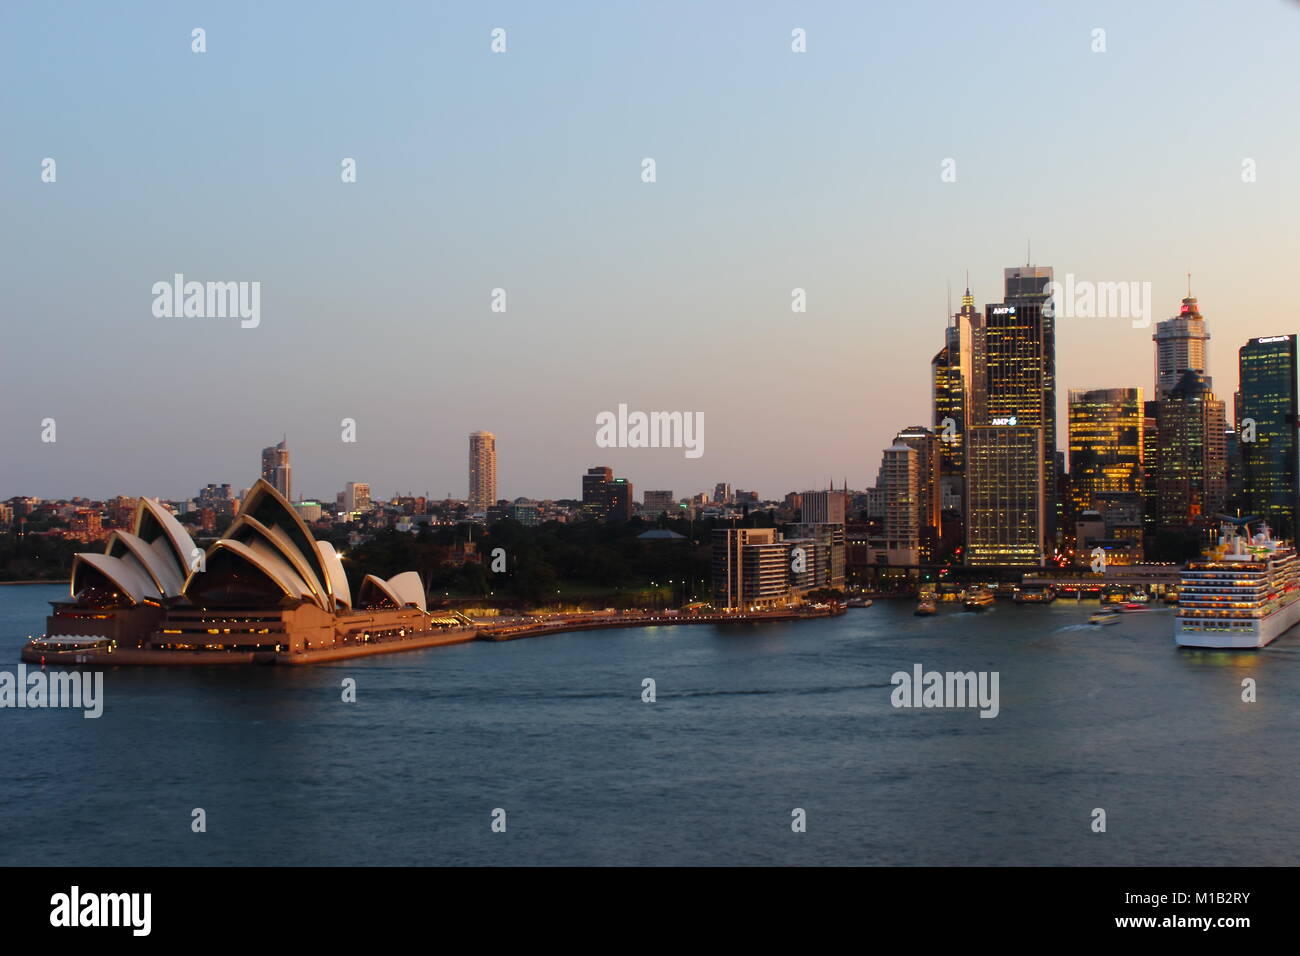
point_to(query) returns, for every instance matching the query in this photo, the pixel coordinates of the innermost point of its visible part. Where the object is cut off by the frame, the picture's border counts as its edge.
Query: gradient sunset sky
(522, 170)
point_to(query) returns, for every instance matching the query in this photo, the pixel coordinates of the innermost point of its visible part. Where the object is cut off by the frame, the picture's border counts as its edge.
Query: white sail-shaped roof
(401, 590)
(333, 562)
(153, 522)
(260, 557)
(267, 506)
(130, 580)
(157, 564)
(248, 530)
(409, 588)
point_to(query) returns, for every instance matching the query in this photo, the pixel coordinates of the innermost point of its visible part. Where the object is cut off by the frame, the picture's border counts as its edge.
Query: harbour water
(750, 722)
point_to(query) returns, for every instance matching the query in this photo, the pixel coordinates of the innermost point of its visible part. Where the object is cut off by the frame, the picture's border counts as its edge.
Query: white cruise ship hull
(1237, 634)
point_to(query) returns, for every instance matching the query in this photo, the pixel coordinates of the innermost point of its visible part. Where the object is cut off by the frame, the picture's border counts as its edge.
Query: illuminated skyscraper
(1266, 430)
(1106, 453)
(1005, 518)
(1180, 348)
(955, 387)
(1191, 477)
(482, 471)
(1014, 394)
(275, 468)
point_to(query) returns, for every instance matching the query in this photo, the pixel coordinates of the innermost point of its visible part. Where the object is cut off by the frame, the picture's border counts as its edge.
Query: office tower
(1106, 453)
(823, 507)
(618, 500)
(1016, 368)
(929, 499)
(356, 497)
(593, 490)
(1191, 479)
(657, 502)
(1266, 431)
(955, 387)
(949, 402)
(899, 485)
(1005, 518)
(722, 493)
(1180, 348)
(275, 468)
(1150, 466)
(482, 471)
(751, 568)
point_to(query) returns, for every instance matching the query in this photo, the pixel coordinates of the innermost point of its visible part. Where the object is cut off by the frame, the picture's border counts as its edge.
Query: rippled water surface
(750, 722)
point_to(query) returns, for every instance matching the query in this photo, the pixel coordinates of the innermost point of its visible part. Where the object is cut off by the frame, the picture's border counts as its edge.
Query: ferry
(926, 607)
(859, 602)
(1044, 595)
(1104, 617)
(978, 599)
(1242, 594)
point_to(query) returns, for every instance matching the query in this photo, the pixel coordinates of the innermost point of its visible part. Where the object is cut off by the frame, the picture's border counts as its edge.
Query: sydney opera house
(265, 592)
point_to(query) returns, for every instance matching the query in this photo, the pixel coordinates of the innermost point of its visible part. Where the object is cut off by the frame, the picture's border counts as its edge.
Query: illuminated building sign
(1009, 420)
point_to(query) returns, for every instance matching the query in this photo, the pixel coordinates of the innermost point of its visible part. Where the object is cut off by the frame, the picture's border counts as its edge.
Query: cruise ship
(1243, 593)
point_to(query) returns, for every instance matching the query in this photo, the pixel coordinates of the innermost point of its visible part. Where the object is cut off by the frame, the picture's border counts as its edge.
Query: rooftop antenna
(950, 302)
(1189, 285)
(1029, 252)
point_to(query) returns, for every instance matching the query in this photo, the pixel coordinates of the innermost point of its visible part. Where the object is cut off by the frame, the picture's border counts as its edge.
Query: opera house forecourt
(266, 592)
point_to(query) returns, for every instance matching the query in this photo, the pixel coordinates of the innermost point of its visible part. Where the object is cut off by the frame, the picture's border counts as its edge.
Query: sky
(522, 170)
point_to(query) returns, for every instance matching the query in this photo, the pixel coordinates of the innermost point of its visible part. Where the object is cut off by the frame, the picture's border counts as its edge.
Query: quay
(516, 630)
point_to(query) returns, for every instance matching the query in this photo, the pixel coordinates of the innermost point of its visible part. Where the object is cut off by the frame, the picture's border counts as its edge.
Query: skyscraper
(900, 485)
(1106, 453)
(1005, 506)
(929, 498)
(1191, 478)
(1014, 394)
(957, 390)
(1180, 348)
(275, 468)
(1266, 430)
(482, 471)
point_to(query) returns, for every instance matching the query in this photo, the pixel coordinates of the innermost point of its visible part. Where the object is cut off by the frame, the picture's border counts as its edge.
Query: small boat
(978, 600)
(859, 602)
(1131, 607)
(1102, 618)
(926, 608)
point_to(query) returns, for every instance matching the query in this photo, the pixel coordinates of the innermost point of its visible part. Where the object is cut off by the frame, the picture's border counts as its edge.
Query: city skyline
(688, 279)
